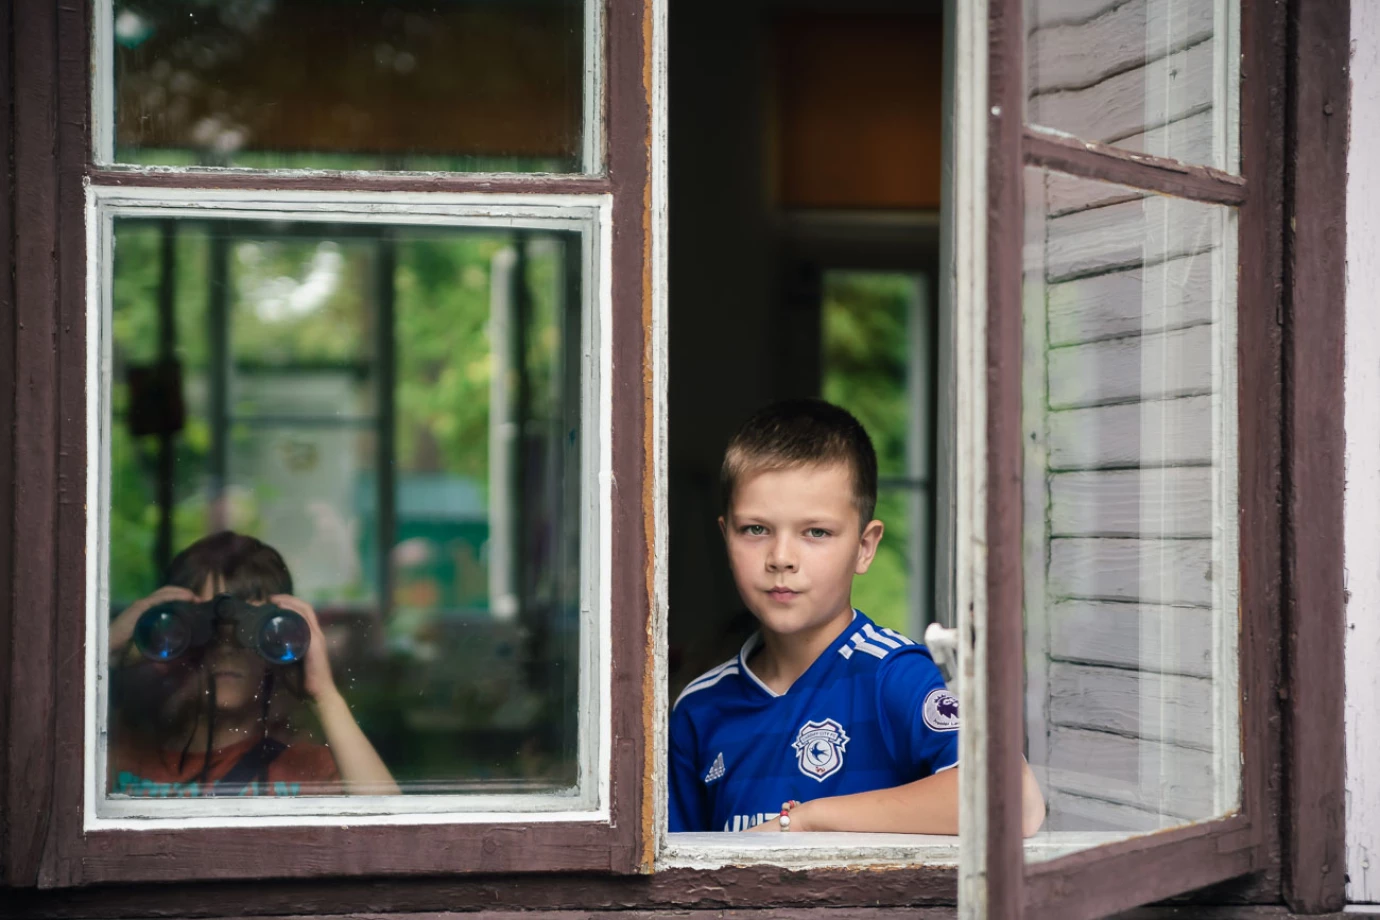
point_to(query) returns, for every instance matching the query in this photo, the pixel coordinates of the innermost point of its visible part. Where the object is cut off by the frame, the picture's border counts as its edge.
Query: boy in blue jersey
(838, 723)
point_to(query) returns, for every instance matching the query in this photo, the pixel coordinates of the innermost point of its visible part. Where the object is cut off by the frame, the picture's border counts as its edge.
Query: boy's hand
(317, 682)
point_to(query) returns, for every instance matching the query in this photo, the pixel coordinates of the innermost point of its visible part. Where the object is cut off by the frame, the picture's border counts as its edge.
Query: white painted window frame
(592, 135)
(588, 214)
(1362, 509)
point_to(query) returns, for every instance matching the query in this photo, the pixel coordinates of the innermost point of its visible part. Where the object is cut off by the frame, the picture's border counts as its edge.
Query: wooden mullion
(8, 330)
(628, 35)
(1260, 412)
(31, 531)
(1315, 323)
(510, 184)
(1126, 167)
(68, 611)
(1005, 628)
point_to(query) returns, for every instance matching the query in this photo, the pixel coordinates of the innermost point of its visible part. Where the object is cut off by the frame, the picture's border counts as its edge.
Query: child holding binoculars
(195, 667)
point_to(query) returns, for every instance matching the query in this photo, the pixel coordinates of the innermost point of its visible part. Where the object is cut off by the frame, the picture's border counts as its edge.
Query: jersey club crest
(819, 748)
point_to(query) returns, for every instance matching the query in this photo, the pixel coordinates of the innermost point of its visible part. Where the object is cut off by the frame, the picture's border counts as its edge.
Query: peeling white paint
(1362, 513)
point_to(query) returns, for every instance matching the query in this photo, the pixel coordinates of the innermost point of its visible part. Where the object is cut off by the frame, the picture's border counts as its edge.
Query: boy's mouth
(782, 595)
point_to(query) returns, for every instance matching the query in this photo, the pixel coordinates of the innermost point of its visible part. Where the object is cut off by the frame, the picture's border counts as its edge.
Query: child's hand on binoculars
(122, 627)
(317, 682)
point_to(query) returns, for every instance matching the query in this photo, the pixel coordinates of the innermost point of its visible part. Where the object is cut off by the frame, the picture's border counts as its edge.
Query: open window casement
(1117, 448)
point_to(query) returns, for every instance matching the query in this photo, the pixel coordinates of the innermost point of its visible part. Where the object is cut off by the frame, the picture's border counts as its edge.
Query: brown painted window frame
(1290, 324)
(45, 843)
(1298, 856)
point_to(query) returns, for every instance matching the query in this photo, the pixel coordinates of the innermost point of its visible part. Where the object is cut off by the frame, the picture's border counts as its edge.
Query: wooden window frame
(1297, 856)
(1290, 436)
(49, 841)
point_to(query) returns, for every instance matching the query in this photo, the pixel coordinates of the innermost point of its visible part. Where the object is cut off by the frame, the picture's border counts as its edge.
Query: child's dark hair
(800, 432)
(239, 565)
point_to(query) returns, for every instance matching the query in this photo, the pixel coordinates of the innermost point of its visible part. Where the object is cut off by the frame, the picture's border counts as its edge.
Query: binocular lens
(162, 635)
(283, 638)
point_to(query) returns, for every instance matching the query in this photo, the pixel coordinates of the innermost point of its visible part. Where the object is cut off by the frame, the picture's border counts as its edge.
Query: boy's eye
(818, 533)
(754, 530)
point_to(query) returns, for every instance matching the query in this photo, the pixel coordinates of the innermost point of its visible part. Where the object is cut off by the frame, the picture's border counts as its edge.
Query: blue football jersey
(872, 712)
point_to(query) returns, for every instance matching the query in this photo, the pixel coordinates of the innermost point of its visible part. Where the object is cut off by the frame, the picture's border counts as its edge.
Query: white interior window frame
(592, 131)
(588, 214)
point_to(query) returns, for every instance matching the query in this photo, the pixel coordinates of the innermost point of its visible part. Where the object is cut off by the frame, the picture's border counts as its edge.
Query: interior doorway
(805, 179)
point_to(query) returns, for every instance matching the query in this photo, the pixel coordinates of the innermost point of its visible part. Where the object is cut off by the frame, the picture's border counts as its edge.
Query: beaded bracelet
(785, 818)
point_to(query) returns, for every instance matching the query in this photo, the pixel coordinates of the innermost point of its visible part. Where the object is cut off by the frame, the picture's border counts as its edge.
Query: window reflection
(463, 85)
(1131, 508)
(396, 411)
(1154, 76)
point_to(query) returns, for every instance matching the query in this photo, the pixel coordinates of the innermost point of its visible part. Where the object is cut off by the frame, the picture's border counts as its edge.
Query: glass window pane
(394, 410)
(878, 363)
(1155, 76)
(1131, 560)
(462, 85)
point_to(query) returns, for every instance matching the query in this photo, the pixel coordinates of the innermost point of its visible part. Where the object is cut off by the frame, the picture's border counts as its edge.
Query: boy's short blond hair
(803, 432)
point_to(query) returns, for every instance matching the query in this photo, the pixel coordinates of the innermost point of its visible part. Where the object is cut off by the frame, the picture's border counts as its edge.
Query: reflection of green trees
(441, 289)
(866, 354)
(442, 394)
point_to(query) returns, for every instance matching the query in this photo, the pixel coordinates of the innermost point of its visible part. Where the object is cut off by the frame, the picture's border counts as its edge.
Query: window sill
(717, 850)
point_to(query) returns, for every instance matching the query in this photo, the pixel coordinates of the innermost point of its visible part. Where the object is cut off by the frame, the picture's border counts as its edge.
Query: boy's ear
(723, 527)
(867, 546)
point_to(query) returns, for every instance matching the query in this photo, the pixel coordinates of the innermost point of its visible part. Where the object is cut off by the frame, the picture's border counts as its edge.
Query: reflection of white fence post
(503, 436)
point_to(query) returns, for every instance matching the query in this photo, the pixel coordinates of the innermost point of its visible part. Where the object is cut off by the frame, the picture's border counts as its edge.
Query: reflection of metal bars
(167, 345)
(385, 388)
(503, 432)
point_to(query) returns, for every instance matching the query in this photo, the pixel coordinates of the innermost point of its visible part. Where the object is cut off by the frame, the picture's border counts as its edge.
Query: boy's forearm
(926, 806)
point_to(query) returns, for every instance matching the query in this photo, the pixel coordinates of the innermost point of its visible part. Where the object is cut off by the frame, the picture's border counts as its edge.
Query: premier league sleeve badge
(941, 711)
(819, 748)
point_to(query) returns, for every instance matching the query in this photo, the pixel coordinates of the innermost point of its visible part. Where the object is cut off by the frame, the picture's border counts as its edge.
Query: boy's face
(794, 544)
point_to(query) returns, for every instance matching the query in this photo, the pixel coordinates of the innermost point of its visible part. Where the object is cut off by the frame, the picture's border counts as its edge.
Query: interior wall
(736, 343)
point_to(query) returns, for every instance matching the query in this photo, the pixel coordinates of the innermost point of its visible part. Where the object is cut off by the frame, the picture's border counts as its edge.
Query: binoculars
(168, 631)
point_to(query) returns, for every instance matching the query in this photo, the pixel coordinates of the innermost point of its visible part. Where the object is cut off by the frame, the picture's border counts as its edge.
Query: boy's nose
(781, 558)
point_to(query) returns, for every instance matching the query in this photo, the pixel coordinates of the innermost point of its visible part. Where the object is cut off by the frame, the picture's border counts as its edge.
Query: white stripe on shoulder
(714, 671)
(874, 641)
(706, 682)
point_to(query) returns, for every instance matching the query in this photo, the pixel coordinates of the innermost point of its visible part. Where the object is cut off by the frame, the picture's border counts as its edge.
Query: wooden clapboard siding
(1191, 139)
(1130, 234)
(1149, 571)
(1171, 432)
(1138, 367)
(1112, 304)
(1146, 774)
(1071, 812)
(1120, 38)
(1171, 87)
(1151, 637)
(1119, 425)
(1131, 503)
(1135, 704)
(1049, 14)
